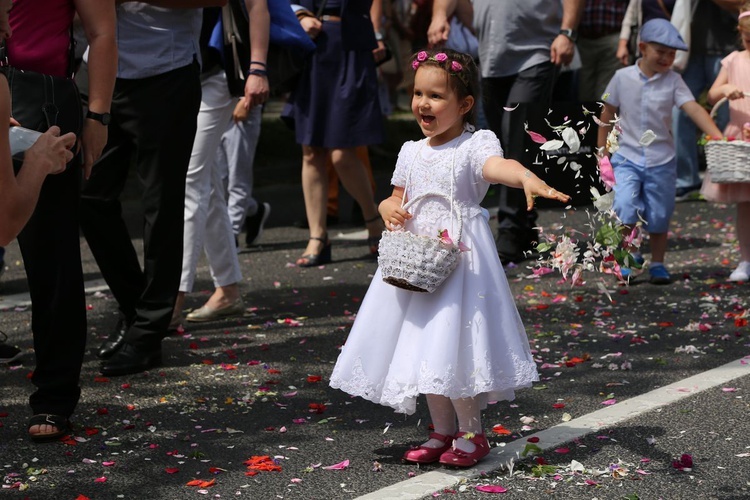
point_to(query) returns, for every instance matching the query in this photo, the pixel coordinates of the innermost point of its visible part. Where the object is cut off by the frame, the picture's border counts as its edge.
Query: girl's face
(745, 37)
(656, 58)
(436, 106)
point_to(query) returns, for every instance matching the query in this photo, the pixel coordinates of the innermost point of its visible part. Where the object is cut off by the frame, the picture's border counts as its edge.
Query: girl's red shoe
(456, 457)
(426, 455)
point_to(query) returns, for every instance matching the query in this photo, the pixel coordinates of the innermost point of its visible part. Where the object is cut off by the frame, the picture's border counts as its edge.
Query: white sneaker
(742, 273)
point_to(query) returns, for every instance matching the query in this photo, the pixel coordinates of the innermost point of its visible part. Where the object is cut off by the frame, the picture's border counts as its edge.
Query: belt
(330, 19)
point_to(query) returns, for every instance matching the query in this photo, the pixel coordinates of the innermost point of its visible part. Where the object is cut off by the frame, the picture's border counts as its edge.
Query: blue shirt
(646, 104)
(154, 40)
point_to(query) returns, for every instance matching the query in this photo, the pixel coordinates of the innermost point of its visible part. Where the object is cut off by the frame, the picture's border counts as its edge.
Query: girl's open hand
(393, 215)
(534, 187)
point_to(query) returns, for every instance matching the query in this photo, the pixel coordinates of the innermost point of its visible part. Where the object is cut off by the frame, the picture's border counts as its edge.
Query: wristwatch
(572, 34)
(103, 118)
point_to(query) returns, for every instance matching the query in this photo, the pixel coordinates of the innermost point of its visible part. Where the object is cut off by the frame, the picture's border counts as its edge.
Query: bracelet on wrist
(257, 72)
(258, 63)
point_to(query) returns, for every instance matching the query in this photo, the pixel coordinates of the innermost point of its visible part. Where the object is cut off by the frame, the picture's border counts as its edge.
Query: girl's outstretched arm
(390, 210)
(498, 170)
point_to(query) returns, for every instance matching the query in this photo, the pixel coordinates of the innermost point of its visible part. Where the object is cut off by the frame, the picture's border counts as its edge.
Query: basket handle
(455, 207)
(721, 101)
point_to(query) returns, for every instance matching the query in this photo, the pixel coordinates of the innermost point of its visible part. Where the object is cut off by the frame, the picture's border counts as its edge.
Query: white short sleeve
(482, 145)
(403, 162)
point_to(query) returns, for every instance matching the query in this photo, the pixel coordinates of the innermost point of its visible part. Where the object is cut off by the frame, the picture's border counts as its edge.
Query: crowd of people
(157, 100)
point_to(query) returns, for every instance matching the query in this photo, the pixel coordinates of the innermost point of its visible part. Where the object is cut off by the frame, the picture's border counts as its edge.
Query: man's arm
(440, 25)
(99, 22)
(562, 48)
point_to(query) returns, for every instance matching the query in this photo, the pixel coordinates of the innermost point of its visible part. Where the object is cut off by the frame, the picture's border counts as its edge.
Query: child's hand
(533, 187)
(393, 215)
(731, 92)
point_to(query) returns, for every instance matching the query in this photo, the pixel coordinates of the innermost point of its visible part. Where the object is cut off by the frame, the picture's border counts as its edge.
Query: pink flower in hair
(441, 57)
(414, 65)
(422, 56)
(456, 66)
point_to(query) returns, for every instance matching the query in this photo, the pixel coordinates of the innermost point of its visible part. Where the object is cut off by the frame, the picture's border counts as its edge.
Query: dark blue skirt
(335, 103)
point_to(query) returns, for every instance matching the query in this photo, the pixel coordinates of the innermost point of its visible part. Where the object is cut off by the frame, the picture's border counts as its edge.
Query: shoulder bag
(39, 101)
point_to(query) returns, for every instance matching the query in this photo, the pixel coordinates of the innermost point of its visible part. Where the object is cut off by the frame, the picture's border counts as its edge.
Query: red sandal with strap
(426, 455)
(456, 457)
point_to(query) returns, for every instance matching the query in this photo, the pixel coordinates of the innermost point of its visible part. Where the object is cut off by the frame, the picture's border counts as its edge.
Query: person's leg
(353, 175)
(532, 87)
(443, 416)
(742, 271)
(164, 128)
(214, 118)
(50, 247)
(743, 229)
(469, 417)
(239, 144)
(658, 244)
(587, 83)
(700, 72)
(315, 190)
(159, 115)
(607, 64)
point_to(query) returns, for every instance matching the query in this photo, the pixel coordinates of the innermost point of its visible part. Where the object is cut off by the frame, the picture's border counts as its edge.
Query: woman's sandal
(373, 241)
(317, 259)
(62, 424)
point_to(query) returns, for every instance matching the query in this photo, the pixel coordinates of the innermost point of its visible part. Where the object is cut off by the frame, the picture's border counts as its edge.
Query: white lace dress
(465, 339)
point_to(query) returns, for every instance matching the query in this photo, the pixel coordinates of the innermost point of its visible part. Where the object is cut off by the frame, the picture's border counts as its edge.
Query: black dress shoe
(114, 341)
(130, 359)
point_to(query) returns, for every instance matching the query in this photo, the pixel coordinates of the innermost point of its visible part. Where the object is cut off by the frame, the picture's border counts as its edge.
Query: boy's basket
(727, 161)
(416, 262)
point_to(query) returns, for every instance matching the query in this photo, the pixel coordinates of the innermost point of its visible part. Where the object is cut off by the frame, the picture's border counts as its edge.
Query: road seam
(431, 482)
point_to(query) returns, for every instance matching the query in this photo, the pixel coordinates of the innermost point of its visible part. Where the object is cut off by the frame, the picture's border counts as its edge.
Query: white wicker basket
(416, 262)
(727, 161)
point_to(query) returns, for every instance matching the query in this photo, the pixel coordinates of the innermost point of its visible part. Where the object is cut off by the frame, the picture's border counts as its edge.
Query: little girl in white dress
(464, 344)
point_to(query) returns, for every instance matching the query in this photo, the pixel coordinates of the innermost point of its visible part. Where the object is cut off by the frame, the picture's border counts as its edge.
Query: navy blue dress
(335, 103)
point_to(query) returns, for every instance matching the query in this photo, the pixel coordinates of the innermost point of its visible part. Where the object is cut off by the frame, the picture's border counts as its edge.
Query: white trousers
(207, 225)
(234, 159)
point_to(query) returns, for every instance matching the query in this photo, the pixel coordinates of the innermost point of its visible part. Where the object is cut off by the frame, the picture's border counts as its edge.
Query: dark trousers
(533, 85)
(153, 127)
(51, 249)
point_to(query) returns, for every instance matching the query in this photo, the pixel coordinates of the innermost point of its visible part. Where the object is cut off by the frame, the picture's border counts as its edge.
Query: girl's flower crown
(454, 68)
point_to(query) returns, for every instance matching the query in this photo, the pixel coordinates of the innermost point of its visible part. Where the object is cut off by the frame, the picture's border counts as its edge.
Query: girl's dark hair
(463, 81)
(744, 23)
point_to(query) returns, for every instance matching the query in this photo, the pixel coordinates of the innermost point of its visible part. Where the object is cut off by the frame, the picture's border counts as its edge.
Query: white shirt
(646, 104)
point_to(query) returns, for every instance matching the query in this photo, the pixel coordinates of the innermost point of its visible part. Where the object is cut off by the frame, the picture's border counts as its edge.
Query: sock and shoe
(254, 224)
(658, 274)
(637, 263)
(742, 273)
(690, 193)
(8, 353)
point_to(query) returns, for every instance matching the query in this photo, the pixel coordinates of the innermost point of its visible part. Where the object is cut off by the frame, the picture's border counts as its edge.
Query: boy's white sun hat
(664, 33)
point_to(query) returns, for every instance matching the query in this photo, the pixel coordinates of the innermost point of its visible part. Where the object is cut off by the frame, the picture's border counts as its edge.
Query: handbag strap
(229, 24)
(453, 177)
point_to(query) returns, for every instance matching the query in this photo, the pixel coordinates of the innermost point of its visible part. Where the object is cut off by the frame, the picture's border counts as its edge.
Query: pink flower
(414, 64)
(456, 66)
(422, 56)
(441, 57)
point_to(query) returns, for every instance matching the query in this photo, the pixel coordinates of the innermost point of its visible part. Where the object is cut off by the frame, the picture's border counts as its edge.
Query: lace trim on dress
(402, 396)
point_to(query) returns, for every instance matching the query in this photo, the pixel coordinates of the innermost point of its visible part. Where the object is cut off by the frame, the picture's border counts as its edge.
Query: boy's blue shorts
(645, 193)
